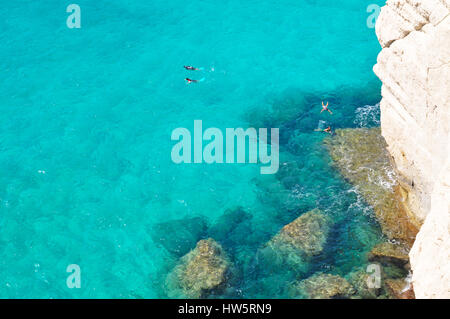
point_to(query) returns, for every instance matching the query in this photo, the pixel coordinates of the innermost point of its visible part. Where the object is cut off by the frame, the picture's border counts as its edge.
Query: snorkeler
(194, 81)
(327, 130)
(191, 81)
(190, 68)
(325, 108)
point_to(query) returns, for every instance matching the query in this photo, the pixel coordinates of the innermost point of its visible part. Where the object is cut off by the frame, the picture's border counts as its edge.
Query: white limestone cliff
(414, 66)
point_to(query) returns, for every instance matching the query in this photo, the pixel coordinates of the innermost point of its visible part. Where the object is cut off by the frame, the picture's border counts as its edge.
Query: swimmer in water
(325, 108)
(190, 68)
(191, 81)
(327, 130)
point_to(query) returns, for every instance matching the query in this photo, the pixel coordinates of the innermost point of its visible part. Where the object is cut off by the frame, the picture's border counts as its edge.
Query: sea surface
(86, 175)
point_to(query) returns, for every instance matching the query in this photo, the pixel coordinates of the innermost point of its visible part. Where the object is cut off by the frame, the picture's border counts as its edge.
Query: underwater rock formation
(389, 253)
(297, 242)
(358, 279)
(361, 157)
(399, 289)
(394, 283)
(203, 272)
(307, 234)
(414, 66)
(322, 286)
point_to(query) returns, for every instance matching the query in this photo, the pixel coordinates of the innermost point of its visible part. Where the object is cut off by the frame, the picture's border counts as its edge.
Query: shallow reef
(297, 242)
(318, 224)
(388, 252)
(400, 289)
(361, 157)
(323, 286)
(360, 278)
(306, 234)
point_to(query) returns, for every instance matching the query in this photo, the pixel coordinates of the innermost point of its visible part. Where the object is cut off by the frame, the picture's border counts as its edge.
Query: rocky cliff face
(414, 66)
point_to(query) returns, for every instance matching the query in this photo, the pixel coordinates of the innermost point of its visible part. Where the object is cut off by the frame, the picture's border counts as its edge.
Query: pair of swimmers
(325, 108)
(191, 68)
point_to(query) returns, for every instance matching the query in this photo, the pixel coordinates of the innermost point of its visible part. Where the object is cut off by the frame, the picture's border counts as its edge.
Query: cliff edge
(414, 66)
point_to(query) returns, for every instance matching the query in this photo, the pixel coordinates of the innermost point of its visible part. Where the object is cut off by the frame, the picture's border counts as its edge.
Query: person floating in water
(191, 68)
(194, 81)
(325, 108)
(191, 81)
(327, 130)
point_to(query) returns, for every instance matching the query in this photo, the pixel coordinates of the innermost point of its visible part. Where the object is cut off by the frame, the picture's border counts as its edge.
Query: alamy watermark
(74, 279)
(374, 278)
(237, 142)
(74, 19)
(372, 19)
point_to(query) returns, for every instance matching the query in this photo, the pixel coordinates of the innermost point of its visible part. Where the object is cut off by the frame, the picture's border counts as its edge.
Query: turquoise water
(86, 115)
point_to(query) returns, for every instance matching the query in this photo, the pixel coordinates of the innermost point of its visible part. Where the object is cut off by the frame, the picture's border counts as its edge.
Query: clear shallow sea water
(94, 108)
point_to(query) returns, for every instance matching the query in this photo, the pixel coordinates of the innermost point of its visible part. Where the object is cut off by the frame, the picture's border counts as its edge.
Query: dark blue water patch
(348, 243)
(232, 230)
(298, 111)
(179, 236)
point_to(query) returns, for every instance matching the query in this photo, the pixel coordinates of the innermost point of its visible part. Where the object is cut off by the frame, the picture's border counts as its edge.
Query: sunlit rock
(201, 273)
(323, 286)
(307, 234)
(297, 242)
(390, 253)
(399, 289)
(361, 157)
(359, 280)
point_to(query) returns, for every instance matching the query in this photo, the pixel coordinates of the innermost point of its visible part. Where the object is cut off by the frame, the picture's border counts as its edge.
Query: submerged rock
(297, 243)
(399, 289)
(359, 280)
(362, 158)
(323, 286)
(393, 283)
(389, 253)
(307, 234)
(203, 272)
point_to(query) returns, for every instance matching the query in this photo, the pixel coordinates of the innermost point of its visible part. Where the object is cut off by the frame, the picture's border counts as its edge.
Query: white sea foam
(367, 115)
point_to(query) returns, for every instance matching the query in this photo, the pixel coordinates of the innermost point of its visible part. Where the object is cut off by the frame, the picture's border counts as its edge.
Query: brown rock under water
(361, 157)
(359, 280)
(399, 289)
(322, 286)
(390, 253)
(307, 234)
(203, 271)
